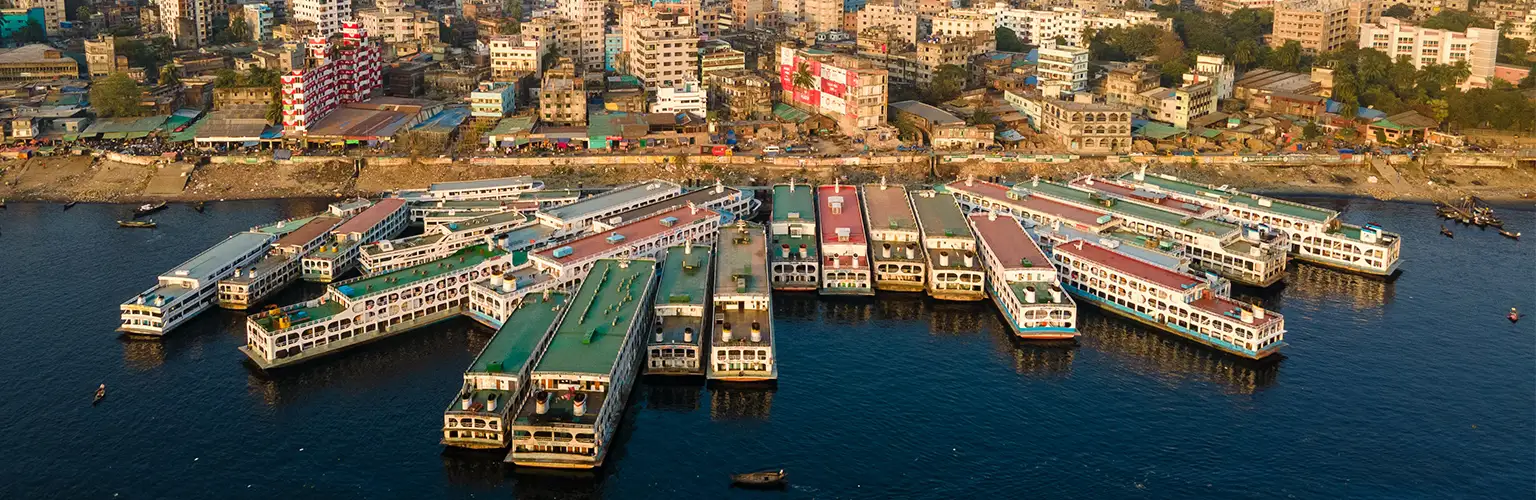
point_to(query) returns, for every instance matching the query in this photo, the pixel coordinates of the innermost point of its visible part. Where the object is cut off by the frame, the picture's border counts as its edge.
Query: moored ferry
(647, 238)
(1178, 303)
(954, 272)
(896, 251)
(844, 244)
(580, 384)
(369, 308)
(729, 202)
(796, 261)
(496, 296)
(482, 189)
(675, 344)
(1316, 234)
(521, 233)
(576, 218)
(496, 383)
(741, 347)
(278, 269)
(432, 213)
(1022, 281)
(382, 220)
(189, 288)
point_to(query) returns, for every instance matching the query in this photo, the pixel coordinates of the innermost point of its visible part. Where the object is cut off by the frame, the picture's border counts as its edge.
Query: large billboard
(833, 104)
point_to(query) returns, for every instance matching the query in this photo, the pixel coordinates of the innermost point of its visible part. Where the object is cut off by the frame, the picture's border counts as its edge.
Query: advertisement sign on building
(833, 104)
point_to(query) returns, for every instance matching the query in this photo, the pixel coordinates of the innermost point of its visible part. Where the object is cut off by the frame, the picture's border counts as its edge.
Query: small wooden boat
(2, 202)
(70, 204)
(1514, 315)
(1511, 235)
(759, 479)
(1447, 232)
(148, 208)
(101, 393)
(199, 206)
(147, 224)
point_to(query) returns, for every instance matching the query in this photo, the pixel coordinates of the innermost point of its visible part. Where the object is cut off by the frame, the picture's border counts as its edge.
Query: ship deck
(520, 335)
(371, 217)
(741, 328)
(470, 256)
(203, 266)
(1005, 239)
(1161, 200)
(599, 243)
(283, 227)
(684, 276)
(561, 409)
(940, 216)
(794, 203)
(311, 230)
(742, 255)
(1110, 258)
(591, 335)
(850, 218)
(1133, 210)
(1251, 201)
(311, 313)
(605, 201)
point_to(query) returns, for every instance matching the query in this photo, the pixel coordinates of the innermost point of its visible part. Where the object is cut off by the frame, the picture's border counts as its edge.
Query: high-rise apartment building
(516, 55)
(563, 95)
(851, 90)
(53, 12)
(328, 15)
(1067, 66)
(331, 76)
(586, 51)
(1322, 25)
(187, 22)
(392, 21)
(259, 19)
(662, 47)
(1478, 47)
(899, 22)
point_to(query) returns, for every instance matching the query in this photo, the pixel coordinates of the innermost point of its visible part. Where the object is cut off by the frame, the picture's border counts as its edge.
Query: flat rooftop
(464, 226)
(1160, 200)
(358, 123)
(743, 260)
(888, 208)
(939, 215)
(606, 201)
(591, 335)
(934, 115)
(504, 182)
(514, 344)
(283, 227)
(1251, 201)
(1132, 210)
(794, 202)
(699, 197)
(1090, 251)
(303, 315)
(1006, 239)
(202, 266)
(375, 214)
(684, 276)
(848, 218)
(466, 257)
(741, 321)
(315, 228)
(648, 227)
(1054, 208)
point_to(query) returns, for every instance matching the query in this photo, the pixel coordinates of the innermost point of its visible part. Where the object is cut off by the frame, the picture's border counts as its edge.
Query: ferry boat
(1178, 303)
(1316, 234)
(369, 308)
(1163, 253)
(675, 345)
(646, 238)
(730, 203)
(1248, 255)
(1022, 281)
(521, 233)
(741, 339)
(576, 218)
(496, 383)
(954, 272)
(381, 220)
(483, 189)
(190, 287)
(278, 269)
(495, 297)
(581, 383)
(796, 262)
(844, 245)
(432, 213)
(897, 255)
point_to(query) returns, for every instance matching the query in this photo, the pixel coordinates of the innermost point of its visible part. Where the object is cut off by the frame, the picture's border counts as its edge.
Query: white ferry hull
(347, 343)
(1121, 311)
(1029, 333)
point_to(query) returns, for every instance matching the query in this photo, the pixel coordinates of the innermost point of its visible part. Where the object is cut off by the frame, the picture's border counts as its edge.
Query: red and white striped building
(333, 75)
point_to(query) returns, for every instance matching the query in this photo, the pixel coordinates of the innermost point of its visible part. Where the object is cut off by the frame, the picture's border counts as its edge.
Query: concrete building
(1322, 25)
(1180, 105)
(823, 15)
(13, 21)
(1213, 68)
(332, 76)
(1426, 8)
(963, 23)
(1082, 126)
(613, 45)
(586, 50)
(328, 15)
(688, 97)
(36, 62)
(1067, 66)
(1038, 26)
(746, 95)
(1478, 47)
(53, 13)
(563, 95)
(393, 22)
(516, 55)
(189, 23)
(259, 19)
(899, 22)
(719, 59)
(494, 100)
(943, 130)
(850, 90)
(101, 57)
(1230, 6)
(662, 47)
(1255, 87)
(1124, 85)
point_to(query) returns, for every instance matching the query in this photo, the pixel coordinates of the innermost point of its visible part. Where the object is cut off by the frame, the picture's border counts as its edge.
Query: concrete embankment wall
(604, 161)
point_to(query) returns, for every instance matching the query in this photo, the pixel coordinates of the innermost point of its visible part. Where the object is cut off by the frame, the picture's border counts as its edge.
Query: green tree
(1246, 54)
(116, 95)
(1400, 11)
(803, 78)
(1513, 50)
(981, 117)
(1310, 131)
(1455, 20)
(947, 83)
(169, 75)
(1285, 58)
(32, 33)
(83, 13)
(1008, 41)
(239, 30)
(1529, 82)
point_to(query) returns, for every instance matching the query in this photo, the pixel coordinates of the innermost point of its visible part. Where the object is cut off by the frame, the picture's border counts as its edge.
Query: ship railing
(285, 309)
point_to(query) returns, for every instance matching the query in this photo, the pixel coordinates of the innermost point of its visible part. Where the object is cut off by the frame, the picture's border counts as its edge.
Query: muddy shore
(88, 179)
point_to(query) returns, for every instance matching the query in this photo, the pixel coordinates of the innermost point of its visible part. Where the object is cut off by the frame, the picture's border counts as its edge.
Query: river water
(1414, 388)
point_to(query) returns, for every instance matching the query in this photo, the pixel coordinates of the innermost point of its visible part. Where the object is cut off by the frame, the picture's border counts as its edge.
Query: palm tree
(169, 75)
(803, 78)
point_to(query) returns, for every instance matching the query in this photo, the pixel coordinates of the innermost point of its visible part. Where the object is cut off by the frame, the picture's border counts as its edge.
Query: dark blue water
(1418, 388)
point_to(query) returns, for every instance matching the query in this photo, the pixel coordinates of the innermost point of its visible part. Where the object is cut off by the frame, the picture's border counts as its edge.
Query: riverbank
(88, 179)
